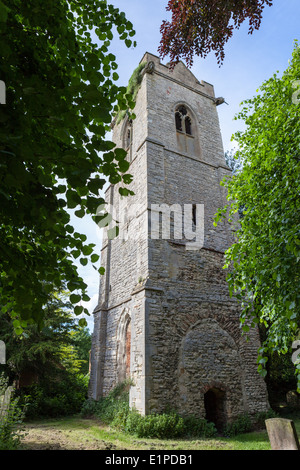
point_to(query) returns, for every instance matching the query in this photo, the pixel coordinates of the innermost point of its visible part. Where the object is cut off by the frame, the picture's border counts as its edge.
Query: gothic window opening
(184, 130)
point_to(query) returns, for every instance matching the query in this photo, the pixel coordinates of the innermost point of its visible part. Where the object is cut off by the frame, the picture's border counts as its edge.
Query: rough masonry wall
(185, 331)
(194, 340)
(125, 260)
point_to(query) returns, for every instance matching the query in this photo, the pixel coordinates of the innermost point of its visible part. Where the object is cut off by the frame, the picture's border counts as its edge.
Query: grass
(75, 432)
(90, 434)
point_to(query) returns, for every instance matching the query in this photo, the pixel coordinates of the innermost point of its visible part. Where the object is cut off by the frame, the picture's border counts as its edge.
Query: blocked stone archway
(210, 373)
(123, 346)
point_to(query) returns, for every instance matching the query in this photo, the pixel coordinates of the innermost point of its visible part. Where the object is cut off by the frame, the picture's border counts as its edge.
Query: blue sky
(249, 60)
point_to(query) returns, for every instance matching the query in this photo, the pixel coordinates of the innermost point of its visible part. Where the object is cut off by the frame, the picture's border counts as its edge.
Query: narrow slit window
(194, 214)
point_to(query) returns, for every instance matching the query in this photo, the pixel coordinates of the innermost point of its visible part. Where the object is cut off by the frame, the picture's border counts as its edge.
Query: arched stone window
(183, 120)
(123, 346)
(184, 130)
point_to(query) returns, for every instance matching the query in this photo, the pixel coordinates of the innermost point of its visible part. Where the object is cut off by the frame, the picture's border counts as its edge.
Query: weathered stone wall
(125, 260)
(185, 332)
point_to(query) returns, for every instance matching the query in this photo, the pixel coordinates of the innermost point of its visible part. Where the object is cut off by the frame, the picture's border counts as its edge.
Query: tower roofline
(180, 73)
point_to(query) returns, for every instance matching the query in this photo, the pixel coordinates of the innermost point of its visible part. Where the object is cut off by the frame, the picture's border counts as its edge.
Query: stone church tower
(164, 316)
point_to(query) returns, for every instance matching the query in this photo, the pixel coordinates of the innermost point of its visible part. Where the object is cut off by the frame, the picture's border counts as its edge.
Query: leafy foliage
(115, 411)
(42, 351)
(240, 425)
(81, 342)
(232, 161)
(112, 409)
(54, 398)
(263, 262)
(132, 89)
(201, 26)
(60, 98)
(243, 423)
(49, 364)
(280, 377)
(160, 426)
(11, 422)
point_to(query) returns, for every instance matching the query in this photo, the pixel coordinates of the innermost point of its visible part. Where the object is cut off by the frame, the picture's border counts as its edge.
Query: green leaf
(82, 322)
(78, 310)
(80, 213)
(123, 165)
(120, 154)
(94, 258)
(87, 250)
(125, 192)
(75, 298)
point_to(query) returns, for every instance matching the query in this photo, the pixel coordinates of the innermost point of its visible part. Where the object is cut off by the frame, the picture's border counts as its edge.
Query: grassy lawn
(75, 433)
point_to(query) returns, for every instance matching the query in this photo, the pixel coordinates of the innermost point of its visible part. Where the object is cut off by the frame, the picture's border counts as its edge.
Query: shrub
(259, 418)
(240, 425)
(57, 398)
(161, 426)
(11, 421)
(243, 423)
(89, 408)
(133, 422)
(115, 411)
(198, 427)
(112, 409)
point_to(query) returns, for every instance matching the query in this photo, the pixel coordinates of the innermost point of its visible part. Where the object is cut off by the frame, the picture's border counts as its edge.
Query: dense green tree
(44, 352)
(49, 365)
(54, 157)
(81, 341)
(263, 262)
